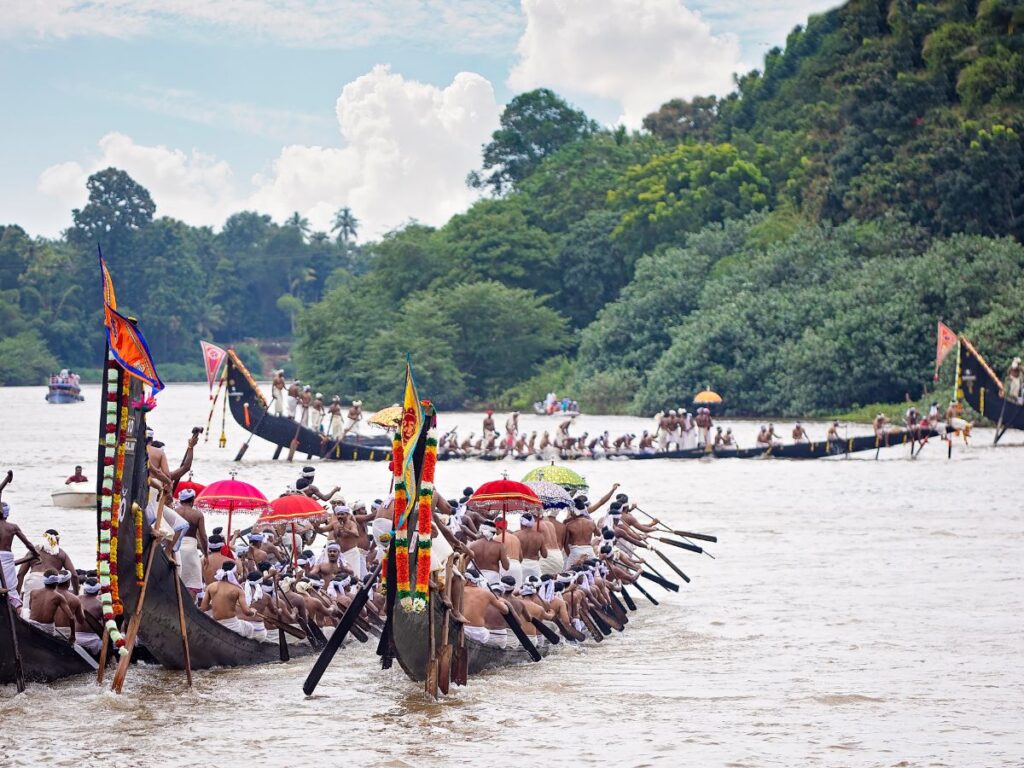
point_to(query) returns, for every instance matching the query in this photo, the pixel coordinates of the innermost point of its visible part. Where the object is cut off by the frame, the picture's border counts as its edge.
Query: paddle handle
(698, 536)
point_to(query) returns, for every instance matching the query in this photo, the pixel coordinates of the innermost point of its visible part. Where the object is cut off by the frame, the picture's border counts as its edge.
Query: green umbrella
(562, 476)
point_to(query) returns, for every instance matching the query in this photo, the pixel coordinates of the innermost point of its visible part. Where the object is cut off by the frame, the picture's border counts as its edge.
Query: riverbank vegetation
(791, 244)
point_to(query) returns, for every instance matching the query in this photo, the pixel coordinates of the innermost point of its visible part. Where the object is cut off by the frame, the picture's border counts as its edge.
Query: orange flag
(125, 339)
(945, 343)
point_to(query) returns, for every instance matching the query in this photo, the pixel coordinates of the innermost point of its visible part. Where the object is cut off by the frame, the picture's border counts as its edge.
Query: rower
(800, 434)
(532, 544)
(305, 486)
(92, 613)
(317, 412)
(194, 542)
(562, 435)
(763, 441)
(49, 605)
(579, 531)
(157, 465)
(61, 624)
(292, 400)
(911, 418)
(8, 533)
(488, 426)
(78, 477)
(646, 444)
(334, 420)
(277, 392)
(513, 551)
(215, 558)
(354, 416)
(719, 438)
(774, 438)
(728, 441)
(511, 428)
(832, 436)
(881, 425)
(49, 556)
(483, 611)
(225, 601)
(489, 555)
(305, 405)
(933, 414)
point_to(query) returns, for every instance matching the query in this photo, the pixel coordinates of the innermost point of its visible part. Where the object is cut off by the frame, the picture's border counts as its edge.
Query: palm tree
(346, 225)
(300, 223)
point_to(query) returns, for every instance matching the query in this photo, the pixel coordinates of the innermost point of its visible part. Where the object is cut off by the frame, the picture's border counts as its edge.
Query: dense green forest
(791, 244)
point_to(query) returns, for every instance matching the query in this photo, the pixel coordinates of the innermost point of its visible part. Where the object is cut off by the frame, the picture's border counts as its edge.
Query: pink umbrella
(232, 496)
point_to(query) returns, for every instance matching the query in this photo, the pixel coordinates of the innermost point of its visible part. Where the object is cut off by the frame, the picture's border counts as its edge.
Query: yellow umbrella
(389, 417)
(707, 397)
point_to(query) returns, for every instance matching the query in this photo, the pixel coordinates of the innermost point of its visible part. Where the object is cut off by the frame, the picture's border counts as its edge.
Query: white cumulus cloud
(406, 150)
(638, 53)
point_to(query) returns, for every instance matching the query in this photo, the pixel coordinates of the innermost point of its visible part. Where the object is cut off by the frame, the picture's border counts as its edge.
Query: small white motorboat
(75, 496)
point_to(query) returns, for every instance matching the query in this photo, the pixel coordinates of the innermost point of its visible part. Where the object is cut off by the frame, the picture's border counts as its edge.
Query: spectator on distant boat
(78, 477)
(1015, 382)
(278, 388)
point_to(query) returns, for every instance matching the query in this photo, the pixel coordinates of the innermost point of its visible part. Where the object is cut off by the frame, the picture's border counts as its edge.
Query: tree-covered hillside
(791, 244)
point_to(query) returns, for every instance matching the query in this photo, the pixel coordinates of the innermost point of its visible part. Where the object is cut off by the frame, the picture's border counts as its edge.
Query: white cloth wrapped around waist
(531, 568)
(92, 642)
(235, 624)
(191, 563)
(33, 581)
(493, 577)
(354, 560)
(553, 563)
(47, 627)
(10, 577)
(578, 553)
(515, 570)
(479, 634)
(497, 638)
(440, 551)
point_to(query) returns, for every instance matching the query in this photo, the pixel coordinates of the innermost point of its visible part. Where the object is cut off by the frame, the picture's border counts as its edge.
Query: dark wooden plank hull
(983, 390)
(817, 450)
(44, 658)
(210, 643)
(249, 408)
(411, 634)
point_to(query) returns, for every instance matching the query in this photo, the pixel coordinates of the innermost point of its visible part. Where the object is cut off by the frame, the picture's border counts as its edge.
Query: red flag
(945, 343)
(213, 358)
(126, 341)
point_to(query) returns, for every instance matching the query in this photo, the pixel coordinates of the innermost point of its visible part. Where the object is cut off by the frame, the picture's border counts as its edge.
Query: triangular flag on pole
(213, 359)
(944, 345)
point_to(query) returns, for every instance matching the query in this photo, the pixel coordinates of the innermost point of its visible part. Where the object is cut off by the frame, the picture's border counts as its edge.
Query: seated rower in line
(49, 605)
(225, 601)
(63, 626)
(89, 633)
(800, 434)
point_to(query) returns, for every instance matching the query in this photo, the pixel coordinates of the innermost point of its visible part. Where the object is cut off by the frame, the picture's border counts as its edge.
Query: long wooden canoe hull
(44, 657)
(249, 408)
(411, 635)
(983, 390)
(818, 450)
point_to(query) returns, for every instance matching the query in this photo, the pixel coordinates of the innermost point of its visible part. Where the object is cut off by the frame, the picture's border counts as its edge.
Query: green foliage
(533, 125)
(25, 360)
(682, 190)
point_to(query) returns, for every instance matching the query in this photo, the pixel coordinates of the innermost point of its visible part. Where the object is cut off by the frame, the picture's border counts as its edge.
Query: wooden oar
(599, 621)
(680, 544)
(293, 446)
(620, 609)
(524, 639)
(133, 623)
(550, 635)
(19, 669)
(672, 565)
(282, 641)
(444, 656)
(644, 592)
(105, 643)
(627, 597)
(324, 660)
(181, 623)
(660, 581)
(591, 628)
(430, 679)
(683, 534)
(245, 445)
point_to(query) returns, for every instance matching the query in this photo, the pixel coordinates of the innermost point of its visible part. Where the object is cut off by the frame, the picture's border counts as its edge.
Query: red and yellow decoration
(424, 521)
(400, 524)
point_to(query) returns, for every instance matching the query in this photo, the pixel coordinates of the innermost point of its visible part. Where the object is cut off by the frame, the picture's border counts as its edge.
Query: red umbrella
(232, 496)
(504, 496)
(292, 508)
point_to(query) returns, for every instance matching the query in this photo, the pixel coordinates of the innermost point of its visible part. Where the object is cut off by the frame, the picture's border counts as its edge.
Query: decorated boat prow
(984, 392)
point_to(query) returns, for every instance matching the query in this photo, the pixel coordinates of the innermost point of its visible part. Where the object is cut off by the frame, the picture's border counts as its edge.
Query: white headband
(5, 509)
(186, 495)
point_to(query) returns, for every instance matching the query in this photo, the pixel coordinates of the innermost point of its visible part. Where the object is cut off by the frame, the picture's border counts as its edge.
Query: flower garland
(424, 523)
(401, 525)
(115, 421)
(138, 544)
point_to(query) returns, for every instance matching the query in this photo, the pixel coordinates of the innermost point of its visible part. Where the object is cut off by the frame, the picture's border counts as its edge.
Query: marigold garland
(113, 433)
(424, 523)
(138, 543)
(400, 524)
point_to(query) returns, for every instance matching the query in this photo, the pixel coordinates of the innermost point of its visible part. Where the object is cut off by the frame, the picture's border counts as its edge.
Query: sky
(218, 106)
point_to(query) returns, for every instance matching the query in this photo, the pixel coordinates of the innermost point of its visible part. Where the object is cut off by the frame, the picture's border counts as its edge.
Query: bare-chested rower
(89, 633)
(484, 611)
(8, 533)
(578, 536)
(48, 555)
(225, 600)
(48, 605)
(489, 554)
(74, 605)
(533, 545)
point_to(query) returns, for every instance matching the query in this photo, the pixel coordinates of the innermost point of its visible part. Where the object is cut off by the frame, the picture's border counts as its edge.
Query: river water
(858, 613)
